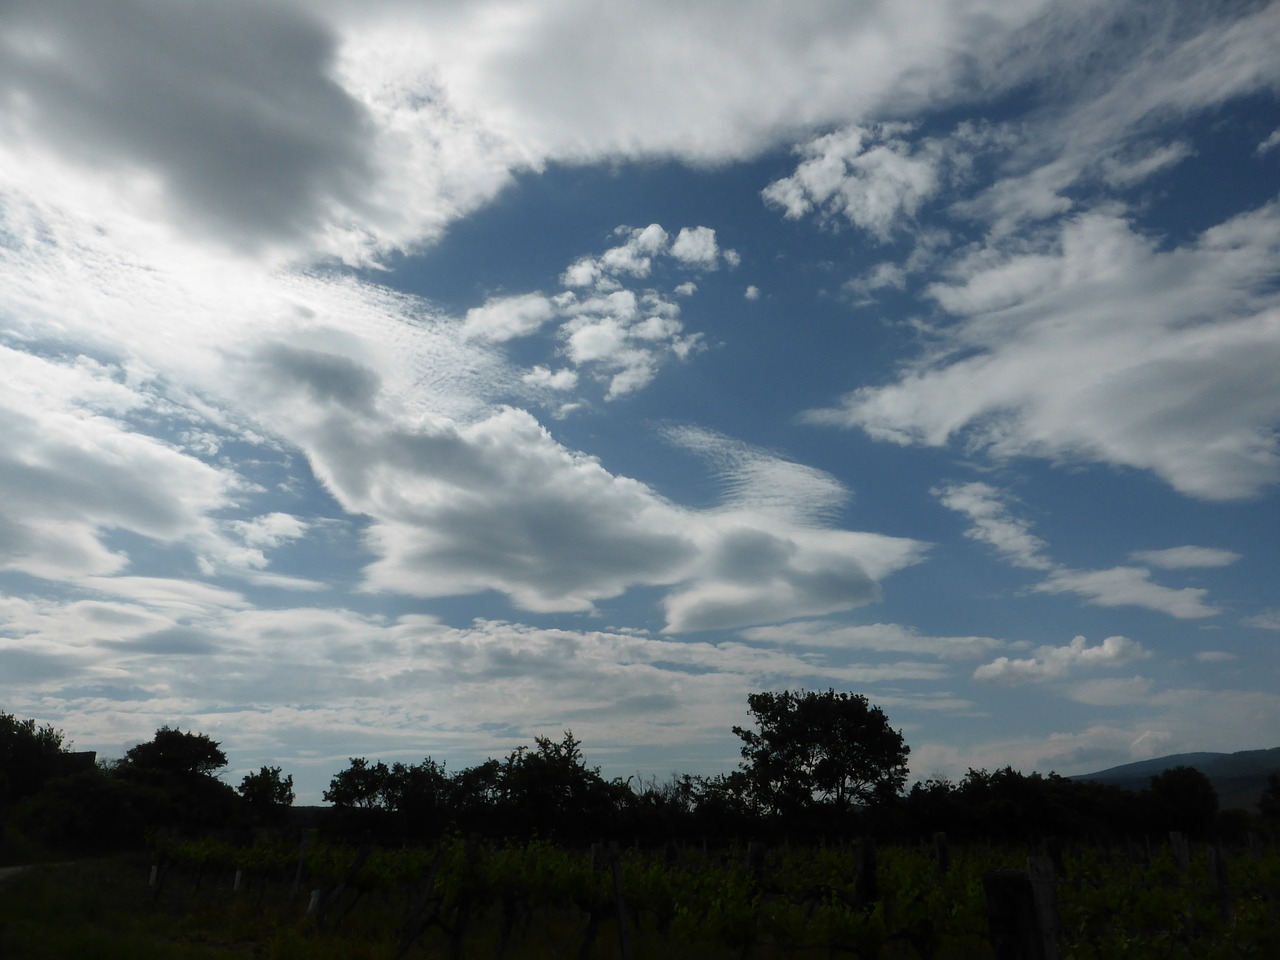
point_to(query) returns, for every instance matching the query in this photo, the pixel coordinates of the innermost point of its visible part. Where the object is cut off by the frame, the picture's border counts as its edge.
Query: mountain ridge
(1239, 778)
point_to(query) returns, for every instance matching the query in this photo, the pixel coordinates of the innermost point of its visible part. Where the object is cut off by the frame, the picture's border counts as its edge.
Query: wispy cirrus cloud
(993, 522)
(1102, 347)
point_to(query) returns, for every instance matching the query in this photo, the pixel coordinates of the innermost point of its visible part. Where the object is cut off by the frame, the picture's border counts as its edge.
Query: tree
(815, 747)
(360, 787)
(1185, 800)
(174, 775)
(30, 755)
(267, 792)
(175, 753)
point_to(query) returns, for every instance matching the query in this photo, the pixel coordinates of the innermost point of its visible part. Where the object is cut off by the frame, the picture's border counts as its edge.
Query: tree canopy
(30, 754)
(172, 751)
(821, 747)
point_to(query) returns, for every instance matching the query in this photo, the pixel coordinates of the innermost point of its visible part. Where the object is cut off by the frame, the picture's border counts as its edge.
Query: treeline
(818, 765)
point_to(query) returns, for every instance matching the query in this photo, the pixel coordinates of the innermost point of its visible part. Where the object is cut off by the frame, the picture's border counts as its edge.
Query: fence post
(942, 852)
(1218, 870)
(866, 890)
(615, 864)
(302, 862)
(1181, 850)
(1017, 917)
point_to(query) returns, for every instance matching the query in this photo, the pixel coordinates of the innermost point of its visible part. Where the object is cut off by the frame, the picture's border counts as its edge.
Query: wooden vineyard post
(413, 922)
(1021, 916)
(1181, 850)
(1218, 870)
(302, 862)
(615, 865)
(756, 850)
(866, 889)
(942, 852)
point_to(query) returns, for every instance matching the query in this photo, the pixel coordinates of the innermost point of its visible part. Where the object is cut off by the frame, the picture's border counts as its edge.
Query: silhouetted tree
(268, 793)
(826, 747)
(361, 786)
(1183, 799)
(30, 755)
(551, 790)
(173, 752)
(175, 783)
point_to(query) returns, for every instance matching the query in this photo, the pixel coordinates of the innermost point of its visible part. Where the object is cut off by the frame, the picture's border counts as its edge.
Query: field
(210, 899)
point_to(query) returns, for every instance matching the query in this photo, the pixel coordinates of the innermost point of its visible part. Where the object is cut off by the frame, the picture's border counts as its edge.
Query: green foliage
(821, 747)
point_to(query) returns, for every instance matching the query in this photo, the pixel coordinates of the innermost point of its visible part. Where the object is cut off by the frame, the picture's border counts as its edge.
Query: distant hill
(1238, 777)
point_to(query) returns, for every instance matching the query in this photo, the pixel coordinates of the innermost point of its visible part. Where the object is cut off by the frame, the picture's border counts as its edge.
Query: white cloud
(1127, 171)
(1269, 144)
(1111, 691)
(752, 292)
(1129, 70)
(760, 481)
(880, 637)
(1266, 620)
(866, 175)
(71, 473)
(270, 530)
(262, 147)
(559, 380)
(992, 523)
(1183, 558)
(1216, 656)
(506, 318)
(518, 71)
(696, 247)
(1105, 348)
(1052, 663)
(1129, 586)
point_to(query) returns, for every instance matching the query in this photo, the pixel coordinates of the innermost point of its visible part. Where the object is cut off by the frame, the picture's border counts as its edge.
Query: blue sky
(394, 379)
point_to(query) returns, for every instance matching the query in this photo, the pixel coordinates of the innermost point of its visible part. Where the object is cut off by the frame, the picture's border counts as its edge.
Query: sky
(396, 379)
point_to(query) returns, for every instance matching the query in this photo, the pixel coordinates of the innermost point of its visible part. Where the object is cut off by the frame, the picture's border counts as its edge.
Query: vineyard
(467, 898)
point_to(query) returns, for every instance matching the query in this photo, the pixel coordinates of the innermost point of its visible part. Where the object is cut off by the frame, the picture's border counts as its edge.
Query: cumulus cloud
(505, 318)
(1052, 663)
(869, 176)
(611, 329)
(696, 247)
(519, 71)
(1181, 347)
